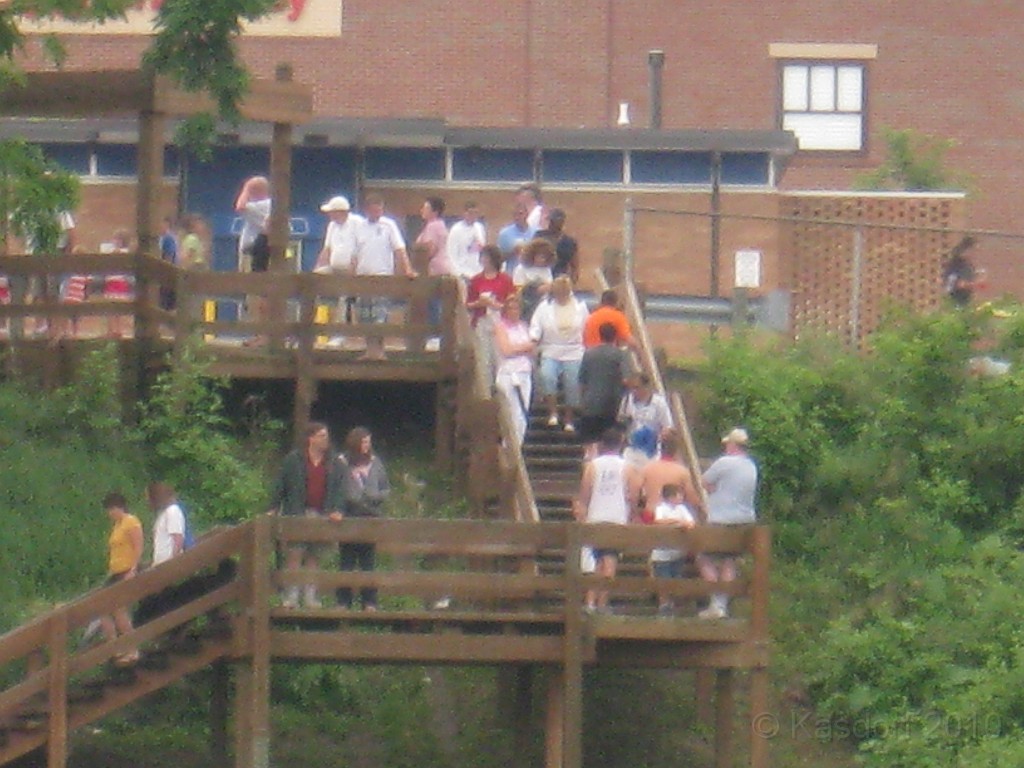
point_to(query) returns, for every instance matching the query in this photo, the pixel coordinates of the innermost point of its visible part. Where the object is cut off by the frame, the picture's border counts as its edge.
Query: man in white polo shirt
(380, 246)
(341, 240)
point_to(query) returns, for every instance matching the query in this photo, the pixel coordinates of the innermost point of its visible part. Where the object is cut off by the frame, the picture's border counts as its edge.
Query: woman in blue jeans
(557, 327)
(365, 489)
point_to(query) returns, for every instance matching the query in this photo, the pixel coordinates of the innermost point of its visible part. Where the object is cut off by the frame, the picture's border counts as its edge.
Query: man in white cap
(731, 482)
(340, 244)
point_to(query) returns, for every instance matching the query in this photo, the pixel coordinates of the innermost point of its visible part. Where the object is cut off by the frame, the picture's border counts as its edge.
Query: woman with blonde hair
(557, 327)
(515, 362)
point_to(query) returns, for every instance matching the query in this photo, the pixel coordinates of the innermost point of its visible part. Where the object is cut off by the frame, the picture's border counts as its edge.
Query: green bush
(892, 479)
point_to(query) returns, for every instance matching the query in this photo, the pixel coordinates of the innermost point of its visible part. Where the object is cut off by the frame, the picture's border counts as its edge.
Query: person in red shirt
(608, 312)
(485, 297)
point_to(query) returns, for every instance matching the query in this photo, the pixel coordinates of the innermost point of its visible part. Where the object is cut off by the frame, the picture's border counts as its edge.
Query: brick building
(401, 87)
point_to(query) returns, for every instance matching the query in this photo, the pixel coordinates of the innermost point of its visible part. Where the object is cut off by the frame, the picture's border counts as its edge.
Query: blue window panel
(116, 159)
(383, 163)
(211, 187)
(745, 168)
(655, 167)
(593, 166)
(475, 164)
(122, 160)
(71, 157)
(318, 174)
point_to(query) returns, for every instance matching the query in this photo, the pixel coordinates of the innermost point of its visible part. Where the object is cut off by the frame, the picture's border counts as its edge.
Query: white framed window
(823, 103)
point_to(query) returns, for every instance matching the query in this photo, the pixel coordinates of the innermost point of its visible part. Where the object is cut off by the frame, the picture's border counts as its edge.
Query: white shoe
(336, 342)
(569, 427)
(443, 603)
(712, 612)
(432, 345)
(290, 601)
(553, 421)
(310, 598)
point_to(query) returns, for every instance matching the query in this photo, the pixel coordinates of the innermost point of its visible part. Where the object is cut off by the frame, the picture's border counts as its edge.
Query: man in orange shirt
(608, 312)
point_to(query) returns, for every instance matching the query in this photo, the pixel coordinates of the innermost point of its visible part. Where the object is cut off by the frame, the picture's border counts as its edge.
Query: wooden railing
(45, 664)
(499, 613)
(479, 394)
(294, 310)
(648, 363)
(475, 563)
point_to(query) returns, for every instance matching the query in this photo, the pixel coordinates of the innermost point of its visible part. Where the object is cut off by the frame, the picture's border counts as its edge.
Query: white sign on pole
(748, 269)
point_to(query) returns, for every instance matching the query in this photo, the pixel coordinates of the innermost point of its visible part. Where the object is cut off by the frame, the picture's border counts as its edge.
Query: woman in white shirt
(557, 327)
(515, 366)
(532, 275)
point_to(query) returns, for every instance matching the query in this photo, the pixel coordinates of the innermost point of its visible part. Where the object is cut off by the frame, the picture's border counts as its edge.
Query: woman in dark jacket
(365, 490)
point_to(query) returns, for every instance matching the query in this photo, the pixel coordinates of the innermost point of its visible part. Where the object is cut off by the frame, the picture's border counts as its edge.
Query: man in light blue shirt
(513, 237)
(731, 482)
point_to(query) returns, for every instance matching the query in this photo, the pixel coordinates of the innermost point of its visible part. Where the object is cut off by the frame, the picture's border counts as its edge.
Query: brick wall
(944, 68)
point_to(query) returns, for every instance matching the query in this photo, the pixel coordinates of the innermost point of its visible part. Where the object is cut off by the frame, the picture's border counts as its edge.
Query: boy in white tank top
(607, 495)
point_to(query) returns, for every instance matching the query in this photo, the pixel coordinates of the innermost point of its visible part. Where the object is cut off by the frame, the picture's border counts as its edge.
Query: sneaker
(336, 342)
(433, 345)
(553, 420)
(569, 427)
(712, 612)
(443, 603)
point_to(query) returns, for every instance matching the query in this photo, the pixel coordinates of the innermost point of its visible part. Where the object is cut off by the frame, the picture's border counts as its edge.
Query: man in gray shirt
(731, 482)
(603, 373)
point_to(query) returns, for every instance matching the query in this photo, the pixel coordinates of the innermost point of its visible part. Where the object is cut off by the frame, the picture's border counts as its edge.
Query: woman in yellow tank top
(125, 553)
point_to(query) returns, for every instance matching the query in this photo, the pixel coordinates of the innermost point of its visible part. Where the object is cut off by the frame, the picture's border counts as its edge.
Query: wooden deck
(501, 612)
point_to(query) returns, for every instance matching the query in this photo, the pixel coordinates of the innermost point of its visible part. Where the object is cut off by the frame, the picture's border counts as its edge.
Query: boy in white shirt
(668, 563)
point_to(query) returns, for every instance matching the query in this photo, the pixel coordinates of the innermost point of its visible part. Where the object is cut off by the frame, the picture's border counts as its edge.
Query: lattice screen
(844, 278)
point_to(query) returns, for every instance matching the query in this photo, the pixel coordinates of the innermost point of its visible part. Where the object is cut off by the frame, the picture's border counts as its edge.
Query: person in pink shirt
(434, 238)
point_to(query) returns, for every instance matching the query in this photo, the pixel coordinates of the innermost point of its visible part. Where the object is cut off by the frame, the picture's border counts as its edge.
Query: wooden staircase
(56, 682)
(554, 461)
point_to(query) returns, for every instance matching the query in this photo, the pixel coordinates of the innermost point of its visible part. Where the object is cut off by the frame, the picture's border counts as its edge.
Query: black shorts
(260, 253)
(593, 427)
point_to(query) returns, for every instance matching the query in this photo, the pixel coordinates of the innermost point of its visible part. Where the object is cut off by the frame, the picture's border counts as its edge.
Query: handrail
(649, 364)
(510, 448)
(37, 640)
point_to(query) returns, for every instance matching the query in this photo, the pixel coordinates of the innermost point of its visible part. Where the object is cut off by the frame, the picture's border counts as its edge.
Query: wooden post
(305, 384)
(151, 173)
(759, 684)
(445, 403)
(252, 695)
(704, 692)
(759, 702)
(554, 721)
(220, 685)
(279, 233)
(523, 707)
(725, 712)
(57, 736)
(572, 713)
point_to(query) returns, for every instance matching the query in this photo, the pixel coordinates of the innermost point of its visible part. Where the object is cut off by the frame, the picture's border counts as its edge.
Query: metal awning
(418, 132)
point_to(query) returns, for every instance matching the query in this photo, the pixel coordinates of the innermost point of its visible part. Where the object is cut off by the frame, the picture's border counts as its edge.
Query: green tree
(914, 162)
(194, 44)
(33, 192)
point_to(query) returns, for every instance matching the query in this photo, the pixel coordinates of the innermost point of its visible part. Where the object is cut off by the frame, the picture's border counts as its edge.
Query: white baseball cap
(336, 203)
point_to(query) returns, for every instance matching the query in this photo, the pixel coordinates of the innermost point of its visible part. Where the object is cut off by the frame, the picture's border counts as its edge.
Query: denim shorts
(373, 309)
(668, 569)
(551, 371)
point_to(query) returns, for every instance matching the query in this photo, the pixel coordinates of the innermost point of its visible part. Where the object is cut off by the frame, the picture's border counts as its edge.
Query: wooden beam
(220, 708)
(725, 712)
(759, 714)
(252, 695)
(442, 648)
(572, 662)
(554, 720)
(266, 101)
(57, 733)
